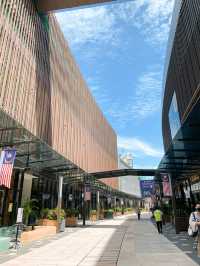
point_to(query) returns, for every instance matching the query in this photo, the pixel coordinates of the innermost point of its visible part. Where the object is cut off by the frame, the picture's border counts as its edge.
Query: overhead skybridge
(124, 172)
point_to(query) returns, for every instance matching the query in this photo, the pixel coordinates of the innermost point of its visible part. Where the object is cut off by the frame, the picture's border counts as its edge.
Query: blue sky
(120, 49)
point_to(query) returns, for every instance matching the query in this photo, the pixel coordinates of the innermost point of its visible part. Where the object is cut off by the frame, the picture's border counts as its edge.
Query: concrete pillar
(59, 205)
(98, 204)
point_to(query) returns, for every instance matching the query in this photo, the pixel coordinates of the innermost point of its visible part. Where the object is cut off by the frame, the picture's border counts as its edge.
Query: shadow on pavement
(182, 241)
(103, 226)
(107, 252)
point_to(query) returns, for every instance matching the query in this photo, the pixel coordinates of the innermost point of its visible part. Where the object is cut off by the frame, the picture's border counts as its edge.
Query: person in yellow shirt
(158, 215)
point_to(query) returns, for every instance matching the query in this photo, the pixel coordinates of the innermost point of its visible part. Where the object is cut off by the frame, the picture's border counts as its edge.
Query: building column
(98, 203)
(59, 205)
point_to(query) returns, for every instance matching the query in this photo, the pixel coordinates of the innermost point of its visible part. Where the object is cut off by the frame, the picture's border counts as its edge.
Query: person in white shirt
(195, 225)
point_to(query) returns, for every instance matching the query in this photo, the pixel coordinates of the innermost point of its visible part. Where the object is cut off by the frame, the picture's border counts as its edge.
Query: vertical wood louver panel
(184, 68)
(42, 88)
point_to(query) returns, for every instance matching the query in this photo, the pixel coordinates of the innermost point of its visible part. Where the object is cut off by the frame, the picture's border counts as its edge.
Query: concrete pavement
(123, 241)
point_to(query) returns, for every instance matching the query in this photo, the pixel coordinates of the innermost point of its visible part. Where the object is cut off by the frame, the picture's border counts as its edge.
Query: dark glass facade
(181, 108)
(182, 71)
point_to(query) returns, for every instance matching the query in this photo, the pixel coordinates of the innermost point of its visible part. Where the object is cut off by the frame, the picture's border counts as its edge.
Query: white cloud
(149, 84)
(155, 20)
(132, 144)
(103, 24)
(81, 26)
(137, 106)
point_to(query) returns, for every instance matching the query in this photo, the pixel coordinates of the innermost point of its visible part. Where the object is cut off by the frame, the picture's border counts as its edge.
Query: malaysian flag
(6, 166)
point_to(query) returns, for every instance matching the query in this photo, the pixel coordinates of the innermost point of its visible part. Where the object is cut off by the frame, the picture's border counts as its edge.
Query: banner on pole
(87, 193)
(166, 182)
(147, 188)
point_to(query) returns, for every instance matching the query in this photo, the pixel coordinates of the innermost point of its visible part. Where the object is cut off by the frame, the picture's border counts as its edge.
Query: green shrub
(128, 210)
(93, 212)
(109, 211)
(53, 214)
(44, 213)
(29, 208)
(71, 212)
(118, 209)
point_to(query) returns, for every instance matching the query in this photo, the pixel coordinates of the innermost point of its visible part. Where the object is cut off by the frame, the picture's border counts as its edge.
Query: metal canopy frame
(32, 152)
(124, 172)
(38, 157)
(98, 185)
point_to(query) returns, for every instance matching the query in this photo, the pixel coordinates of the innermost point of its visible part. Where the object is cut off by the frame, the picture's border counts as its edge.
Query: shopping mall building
(47, 113)
(181, 108)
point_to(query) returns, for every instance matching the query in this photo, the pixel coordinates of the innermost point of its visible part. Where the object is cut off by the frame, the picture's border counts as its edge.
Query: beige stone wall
(42, 88)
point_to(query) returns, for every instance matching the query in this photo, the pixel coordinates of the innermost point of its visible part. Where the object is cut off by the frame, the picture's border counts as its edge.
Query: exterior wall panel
(183, 71)
(42, 88)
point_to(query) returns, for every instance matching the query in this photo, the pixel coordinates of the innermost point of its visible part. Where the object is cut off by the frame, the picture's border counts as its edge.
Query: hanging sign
(87, 193)
(20, 215)
(10, 207)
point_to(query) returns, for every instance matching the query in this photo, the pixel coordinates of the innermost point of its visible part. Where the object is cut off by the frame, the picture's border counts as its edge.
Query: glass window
(174, 119)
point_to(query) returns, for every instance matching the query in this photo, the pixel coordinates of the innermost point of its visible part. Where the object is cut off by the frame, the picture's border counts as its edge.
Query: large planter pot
(108, 215)
(71, 221)
(61, 227)
(101, 215)
(47, 222)
(93, 217)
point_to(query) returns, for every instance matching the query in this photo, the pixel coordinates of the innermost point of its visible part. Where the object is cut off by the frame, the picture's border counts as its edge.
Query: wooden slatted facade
(52, 5)
(183, 72)
(42, 88)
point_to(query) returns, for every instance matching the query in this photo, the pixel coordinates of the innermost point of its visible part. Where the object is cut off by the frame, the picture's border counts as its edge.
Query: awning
(124, 172)
(35, 155)
(32, 152)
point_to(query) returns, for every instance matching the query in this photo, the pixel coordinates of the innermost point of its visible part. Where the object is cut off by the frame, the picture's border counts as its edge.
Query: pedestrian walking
(158, 215)
(194, 225)
(138, 213)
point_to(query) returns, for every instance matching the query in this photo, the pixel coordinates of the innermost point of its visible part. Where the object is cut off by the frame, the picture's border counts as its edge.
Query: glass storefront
(174, 119)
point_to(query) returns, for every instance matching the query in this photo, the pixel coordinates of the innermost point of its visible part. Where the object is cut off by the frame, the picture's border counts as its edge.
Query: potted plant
(130, 210)
(61, 214)
(93, 215)
(118, 211)
(30, 213)
(101, 214)
(108, 214)
(71, 217)
(49, 217)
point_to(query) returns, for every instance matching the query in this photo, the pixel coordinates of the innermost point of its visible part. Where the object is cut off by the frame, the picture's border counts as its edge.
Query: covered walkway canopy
(41, 160)
(124, 172)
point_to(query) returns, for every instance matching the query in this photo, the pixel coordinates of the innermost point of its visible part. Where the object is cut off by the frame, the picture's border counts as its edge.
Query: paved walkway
(123, 242)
